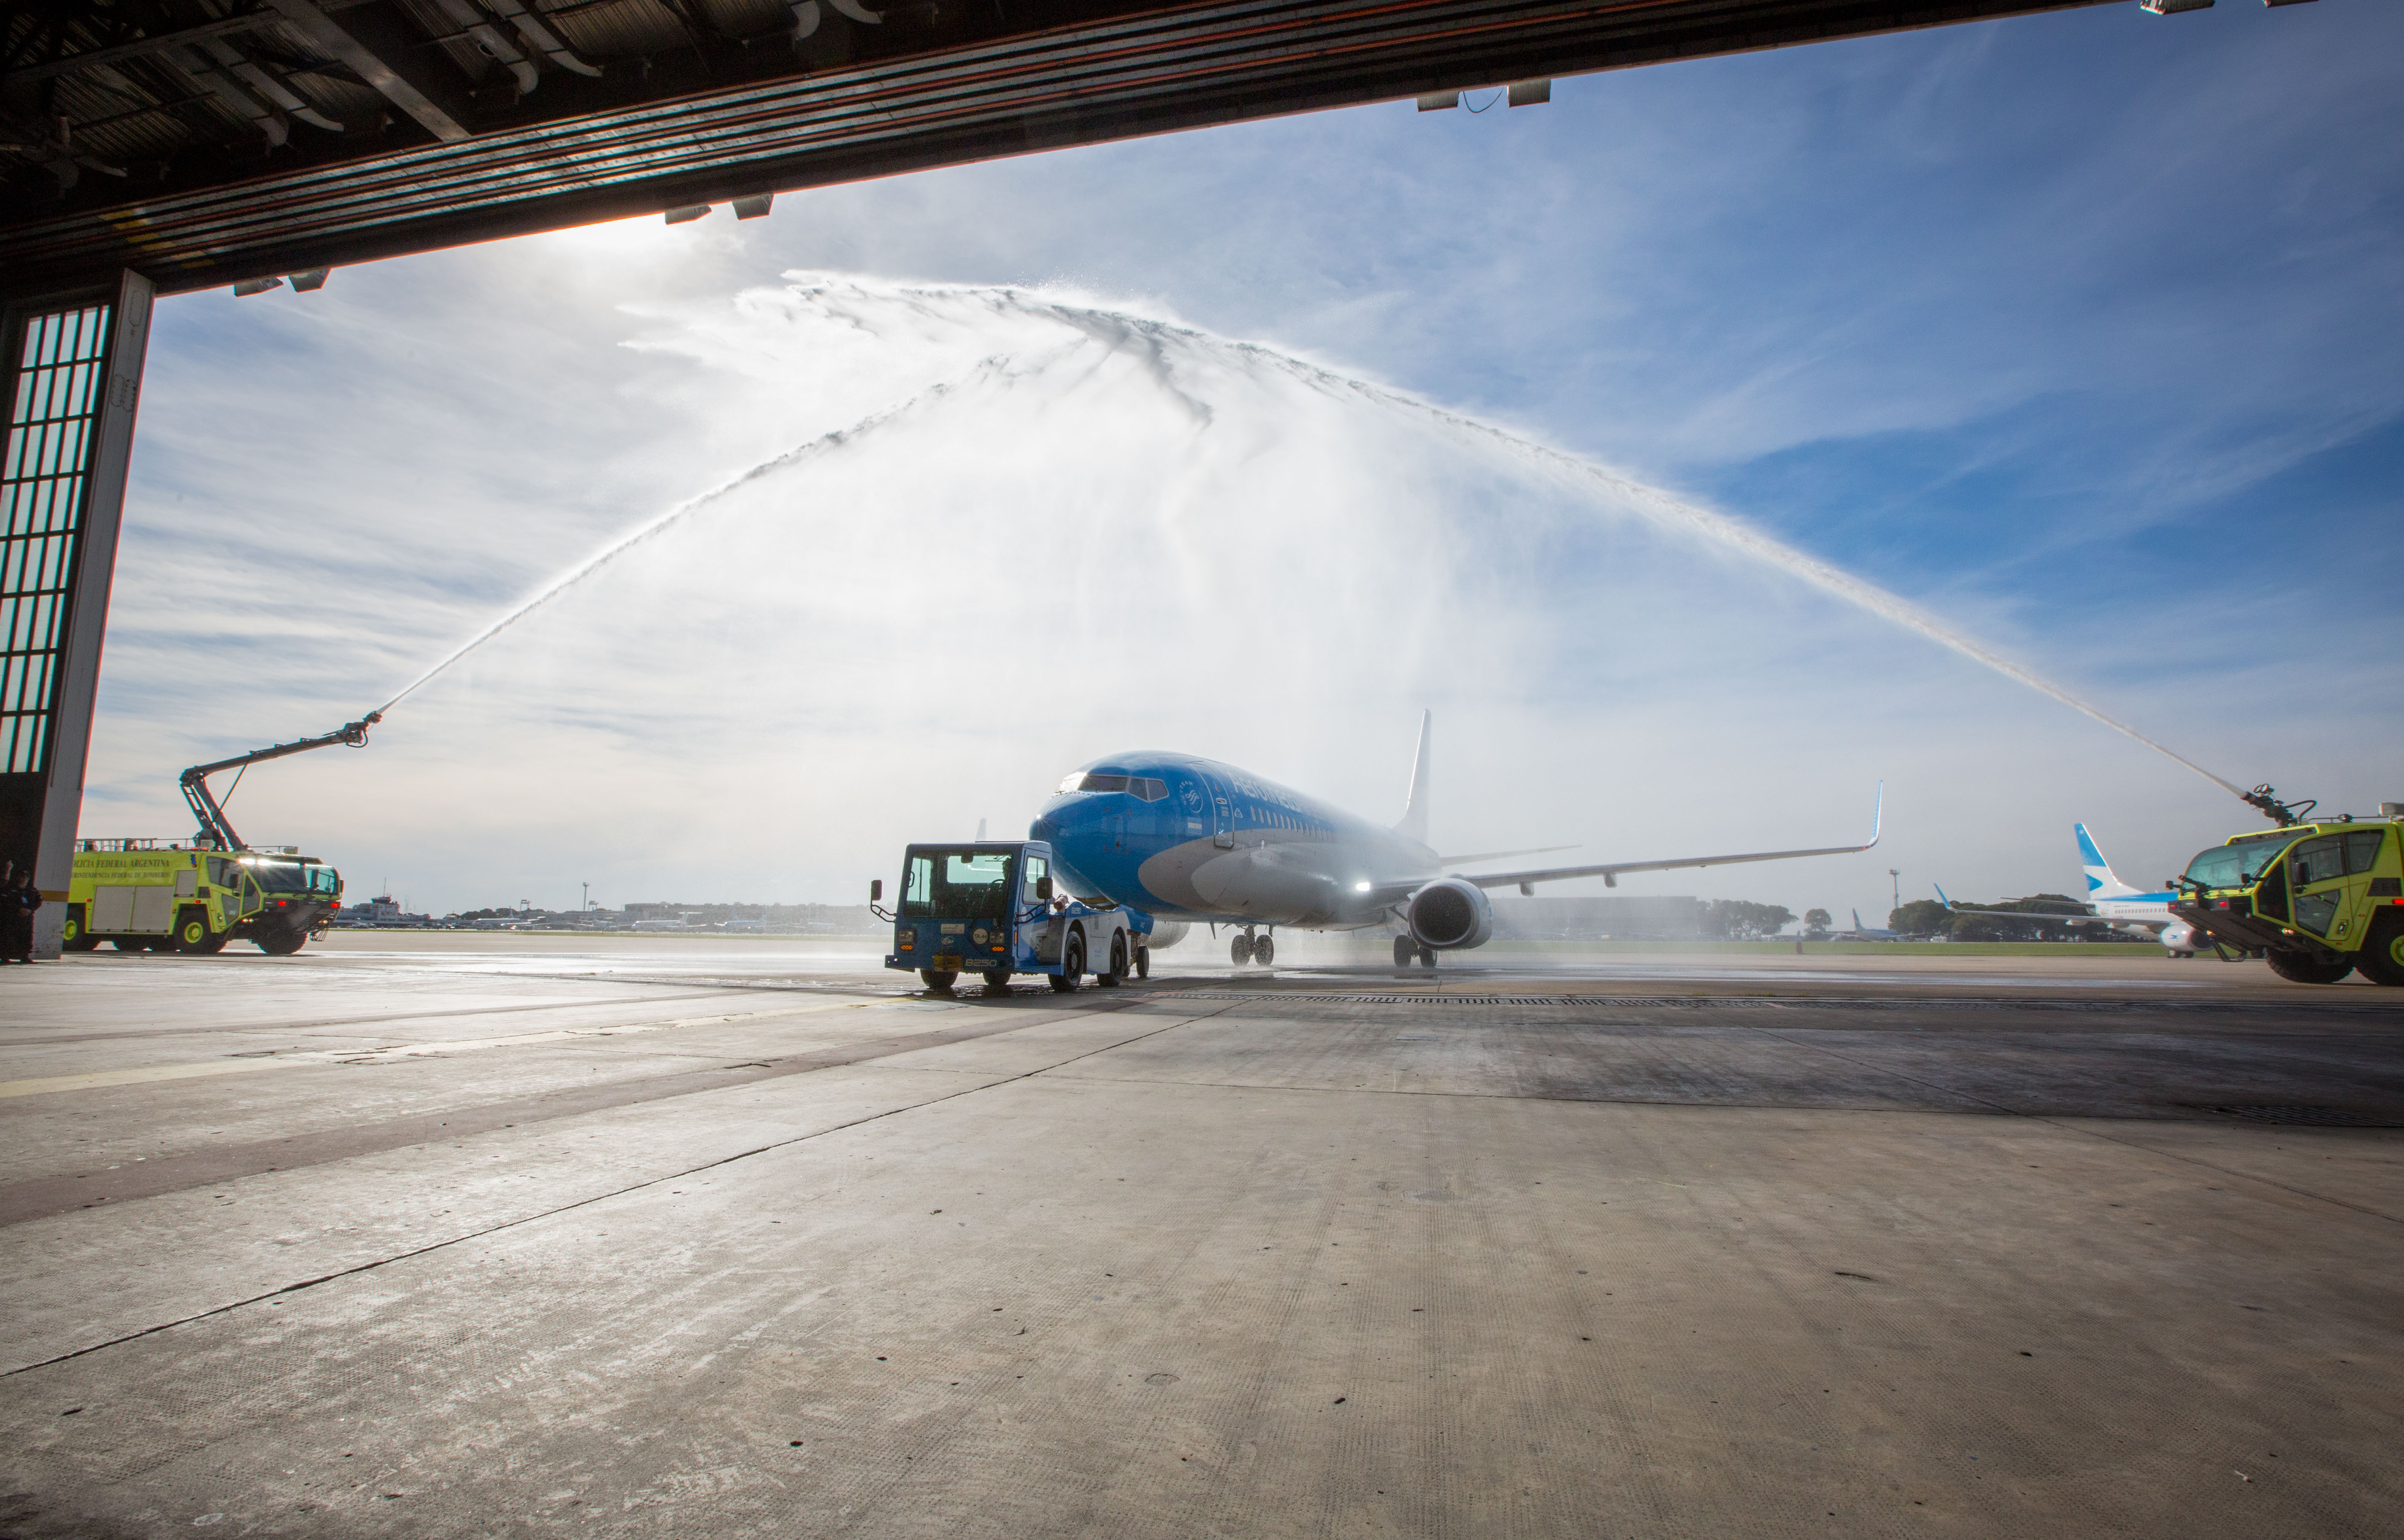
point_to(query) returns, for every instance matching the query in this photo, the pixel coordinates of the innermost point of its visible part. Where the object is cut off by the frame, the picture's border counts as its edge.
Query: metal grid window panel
(42, 476)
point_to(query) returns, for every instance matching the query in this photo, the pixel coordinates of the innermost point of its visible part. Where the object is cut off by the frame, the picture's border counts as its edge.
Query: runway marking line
(97, 1079)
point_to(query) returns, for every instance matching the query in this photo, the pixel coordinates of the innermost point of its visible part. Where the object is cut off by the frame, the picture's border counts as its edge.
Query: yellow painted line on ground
(134, 1077)
(100, 1079)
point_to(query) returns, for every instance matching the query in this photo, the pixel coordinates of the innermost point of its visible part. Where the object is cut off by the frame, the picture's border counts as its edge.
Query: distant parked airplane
(2110, 902)
(1860, 932)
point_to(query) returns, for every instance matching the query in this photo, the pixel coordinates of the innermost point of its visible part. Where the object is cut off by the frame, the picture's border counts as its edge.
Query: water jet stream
(824, 444)
(1112, 330)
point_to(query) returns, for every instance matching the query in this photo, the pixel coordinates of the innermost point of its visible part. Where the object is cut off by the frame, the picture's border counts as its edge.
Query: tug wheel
(940, 979)
(1072, 966)
(1118, 965)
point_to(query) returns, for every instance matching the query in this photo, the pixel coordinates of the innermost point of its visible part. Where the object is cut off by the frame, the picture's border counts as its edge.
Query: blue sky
(2081, 331)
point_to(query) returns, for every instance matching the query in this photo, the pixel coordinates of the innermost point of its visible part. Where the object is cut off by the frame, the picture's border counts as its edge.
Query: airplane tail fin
(1857, 920)
(1414, 824)
(2102, 883)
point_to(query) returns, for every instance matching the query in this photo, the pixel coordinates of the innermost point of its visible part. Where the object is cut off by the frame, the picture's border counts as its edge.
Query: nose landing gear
(1406, 949)
(1249, 948)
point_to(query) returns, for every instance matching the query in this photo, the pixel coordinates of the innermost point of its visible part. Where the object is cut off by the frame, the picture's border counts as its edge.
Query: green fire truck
(2315, 900)
(148, 896)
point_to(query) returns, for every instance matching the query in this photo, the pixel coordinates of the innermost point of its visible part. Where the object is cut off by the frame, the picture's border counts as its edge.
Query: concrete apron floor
(446, 1253)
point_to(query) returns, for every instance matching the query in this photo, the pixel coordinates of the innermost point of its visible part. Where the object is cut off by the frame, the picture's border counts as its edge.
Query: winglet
(1877, 814)
(1414, 823)
(1940, 895)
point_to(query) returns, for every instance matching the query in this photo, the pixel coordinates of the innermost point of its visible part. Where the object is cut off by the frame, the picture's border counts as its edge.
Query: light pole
(1897, 879)
(586, 906)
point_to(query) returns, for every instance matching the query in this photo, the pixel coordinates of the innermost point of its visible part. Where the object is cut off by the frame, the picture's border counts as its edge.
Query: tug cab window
(956, 885)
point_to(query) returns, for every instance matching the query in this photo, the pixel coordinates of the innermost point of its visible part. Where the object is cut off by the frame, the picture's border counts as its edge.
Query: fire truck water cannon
(215, 830)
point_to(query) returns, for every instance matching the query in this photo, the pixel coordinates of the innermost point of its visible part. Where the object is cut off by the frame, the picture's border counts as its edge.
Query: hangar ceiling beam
(618, 107)
(382, 52)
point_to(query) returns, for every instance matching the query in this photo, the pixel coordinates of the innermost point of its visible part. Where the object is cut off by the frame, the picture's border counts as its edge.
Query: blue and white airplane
(1191, 840)
(2110, 902)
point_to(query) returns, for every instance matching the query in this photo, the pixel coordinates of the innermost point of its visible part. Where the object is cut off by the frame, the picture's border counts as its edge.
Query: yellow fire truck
(148, 896)
(154, 896)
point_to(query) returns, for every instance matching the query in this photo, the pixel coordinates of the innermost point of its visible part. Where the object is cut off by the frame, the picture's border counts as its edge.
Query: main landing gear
(1406, 949)
(1249, 948)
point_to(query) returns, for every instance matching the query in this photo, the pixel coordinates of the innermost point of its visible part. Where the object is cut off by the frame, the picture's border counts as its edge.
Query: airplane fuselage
(1183, 837)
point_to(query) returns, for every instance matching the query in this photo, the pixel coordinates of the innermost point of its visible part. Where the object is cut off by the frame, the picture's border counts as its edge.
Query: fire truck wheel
(940, 979)
(2303, 967)
(1072, 966)
(192, 936)
(281, 943)
(72, 935)
(2382, 958)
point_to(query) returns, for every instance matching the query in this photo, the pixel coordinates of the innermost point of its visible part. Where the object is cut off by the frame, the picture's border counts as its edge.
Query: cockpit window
(1145, 786)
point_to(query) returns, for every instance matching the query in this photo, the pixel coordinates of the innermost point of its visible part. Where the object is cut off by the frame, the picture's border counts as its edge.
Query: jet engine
(1165, 934)
(2180, 939)
(1449, 913)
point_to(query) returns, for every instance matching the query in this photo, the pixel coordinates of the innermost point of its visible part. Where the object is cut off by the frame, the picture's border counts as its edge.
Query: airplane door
(1223, 816)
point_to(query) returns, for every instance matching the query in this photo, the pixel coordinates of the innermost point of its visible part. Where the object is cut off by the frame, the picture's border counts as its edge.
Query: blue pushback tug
(988, 906)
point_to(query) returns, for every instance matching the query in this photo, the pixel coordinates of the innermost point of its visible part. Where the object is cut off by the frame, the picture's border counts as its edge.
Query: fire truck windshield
(292, 876)
(2237, 864)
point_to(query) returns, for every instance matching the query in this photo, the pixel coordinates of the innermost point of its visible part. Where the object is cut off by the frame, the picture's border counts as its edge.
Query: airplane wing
(1498, 854)
(1609, 871)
